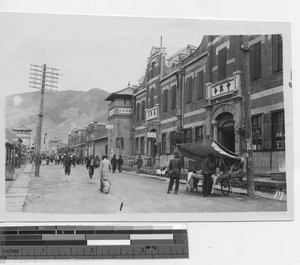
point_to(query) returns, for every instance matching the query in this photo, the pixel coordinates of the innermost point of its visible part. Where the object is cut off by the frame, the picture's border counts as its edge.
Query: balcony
(152, 113)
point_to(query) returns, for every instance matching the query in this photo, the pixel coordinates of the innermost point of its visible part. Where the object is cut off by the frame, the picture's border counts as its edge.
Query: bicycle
(149, 163)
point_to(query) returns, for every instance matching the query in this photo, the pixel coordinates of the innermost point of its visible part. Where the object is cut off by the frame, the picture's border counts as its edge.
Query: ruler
(94, 242)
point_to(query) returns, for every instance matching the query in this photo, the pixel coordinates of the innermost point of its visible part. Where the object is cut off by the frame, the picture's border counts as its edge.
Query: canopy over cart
(200, 150)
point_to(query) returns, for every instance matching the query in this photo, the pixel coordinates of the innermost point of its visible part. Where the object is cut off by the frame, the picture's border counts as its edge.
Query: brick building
(120, 123)
(96, 139)
(200, 91)
(77, 141)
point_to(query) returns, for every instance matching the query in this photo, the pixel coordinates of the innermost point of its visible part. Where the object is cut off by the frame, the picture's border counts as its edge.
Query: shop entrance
(226, 133)
(152, 145)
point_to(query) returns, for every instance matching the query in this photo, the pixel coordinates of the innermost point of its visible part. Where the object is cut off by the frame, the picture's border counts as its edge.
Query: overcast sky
(90, 51)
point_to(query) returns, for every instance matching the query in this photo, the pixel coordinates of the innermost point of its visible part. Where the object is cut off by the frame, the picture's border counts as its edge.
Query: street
(54, 192)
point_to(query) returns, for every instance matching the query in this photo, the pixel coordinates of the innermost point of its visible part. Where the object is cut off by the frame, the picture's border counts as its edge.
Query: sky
(89, 51)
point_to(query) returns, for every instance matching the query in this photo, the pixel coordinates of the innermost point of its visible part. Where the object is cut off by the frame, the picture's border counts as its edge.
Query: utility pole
(247, 113)
(42, 77)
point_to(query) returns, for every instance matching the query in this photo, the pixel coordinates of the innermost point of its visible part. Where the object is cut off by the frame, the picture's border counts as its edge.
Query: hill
(63, 110)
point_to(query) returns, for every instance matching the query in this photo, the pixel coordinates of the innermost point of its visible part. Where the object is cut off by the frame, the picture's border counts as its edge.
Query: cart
(201, 149)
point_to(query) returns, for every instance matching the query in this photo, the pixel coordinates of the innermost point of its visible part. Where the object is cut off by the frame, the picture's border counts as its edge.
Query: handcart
(223, 177)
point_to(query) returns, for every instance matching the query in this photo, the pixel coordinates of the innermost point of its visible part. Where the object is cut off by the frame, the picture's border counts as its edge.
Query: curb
(235, 190)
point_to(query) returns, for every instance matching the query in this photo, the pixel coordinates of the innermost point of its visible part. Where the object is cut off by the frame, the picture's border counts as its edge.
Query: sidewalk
(17, 193)
(235, 190)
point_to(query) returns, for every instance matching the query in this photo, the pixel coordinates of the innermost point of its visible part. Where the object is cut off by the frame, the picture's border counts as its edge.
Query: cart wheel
(225, 187)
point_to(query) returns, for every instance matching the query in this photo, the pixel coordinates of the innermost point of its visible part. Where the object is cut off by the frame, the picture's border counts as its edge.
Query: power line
(42, 77)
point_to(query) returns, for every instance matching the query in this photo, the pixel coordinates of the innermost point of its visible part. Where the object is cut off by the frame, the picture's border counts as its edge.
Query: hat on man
(176, 154)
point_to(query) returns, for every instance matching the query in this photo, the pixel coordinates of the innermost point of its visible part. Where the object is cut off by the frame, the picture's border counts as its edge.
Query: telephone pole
(247, 112)
(42, 77)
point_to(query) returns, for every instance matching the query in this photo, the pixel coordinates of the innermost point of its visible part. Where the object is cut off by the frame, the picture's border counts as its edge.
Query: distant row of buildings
(199, 91)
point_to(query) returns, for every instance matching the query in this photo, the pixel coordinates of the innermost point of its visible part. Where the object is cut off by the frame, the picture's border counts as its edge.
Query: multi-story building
(77, 141)
(120, 123)
(200, 91)
(96, 139)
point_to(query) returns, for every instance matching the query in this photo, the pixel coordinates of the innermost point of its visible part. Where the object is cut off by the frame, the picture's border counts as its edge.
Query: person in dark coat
(90, 165)
(114, 162)
(207, 171)
(67, 164)
(139, 163)
(174, 173)
(120, 163)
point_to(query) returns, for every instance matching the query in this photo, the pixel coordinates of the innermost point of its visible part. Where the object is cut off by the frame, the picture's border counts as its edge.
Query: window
(256, 132)
(222, 61)
(188, 89)
(276, 53)
(136, 145)
(173, 97)
(152, 71)
(165, 100)
(152, 97)
(143, 110)
(138, 111)
(199, 133)
(199, 85)
(117, 142)
(163, 143)
(255, 61)
(278, 131)
(122, 142)
(142, 148)
(187, 135)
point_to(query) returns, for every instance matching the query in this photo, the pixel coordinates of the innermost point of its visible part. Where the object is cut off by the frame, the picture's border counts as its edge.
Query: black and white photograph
(132, 117)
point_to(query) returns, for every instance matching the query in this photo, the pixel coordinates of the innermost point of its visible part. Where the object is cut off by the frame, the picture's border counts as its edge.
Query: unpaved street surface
(54, 192)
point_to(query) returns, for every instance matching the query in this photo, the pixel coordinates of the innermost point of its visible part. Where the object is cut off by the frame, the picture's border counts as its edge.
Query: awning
(200, 150)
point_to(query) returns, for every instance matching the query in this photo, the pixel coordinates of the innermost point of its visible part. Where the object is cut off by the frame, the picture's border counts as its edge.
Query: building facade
(201, 90)
(25, 134)
(96, 139)
(53, 145)
(120, 123)
(77, 141)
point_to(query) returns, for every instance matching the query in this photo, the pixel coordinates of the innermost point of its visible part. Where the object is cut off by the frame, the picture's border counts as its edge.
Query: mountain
(63, 110)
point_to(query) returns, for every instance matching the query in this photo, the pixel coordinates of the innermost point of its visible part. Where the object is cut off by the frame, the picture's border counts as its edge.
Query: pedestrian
(114, 162)
(120, 163)
(67, 164)
(207, 170)
(139, 163)
(105, 170)
(174, 173)
(90, 165)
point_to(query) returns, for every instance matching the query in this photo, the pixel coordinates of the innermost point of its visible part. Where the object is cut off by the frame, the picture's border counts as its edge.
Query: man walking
(174, 173)
(105, 169)
(114, 162)
(139, 163)
(120, 163)
(67, 164)
(90, 165)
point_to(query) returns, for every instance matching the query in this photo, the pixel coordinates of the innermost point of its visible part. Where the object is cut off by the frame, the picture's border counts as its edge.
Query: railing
(151, 113)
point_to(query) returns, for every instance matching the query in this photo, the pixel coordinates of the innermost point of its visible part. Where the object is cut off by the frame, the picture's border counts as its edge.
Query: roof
(22, 128)
(55, 139)
(121, 94)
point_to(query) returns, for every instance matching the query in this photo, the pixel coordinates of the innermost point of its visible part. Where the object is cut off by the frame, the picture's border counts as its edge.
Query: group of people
(208, 169)
(116, 162)
(92, 162)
